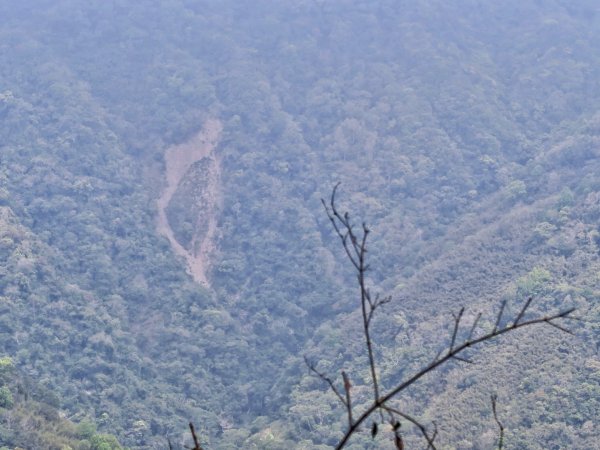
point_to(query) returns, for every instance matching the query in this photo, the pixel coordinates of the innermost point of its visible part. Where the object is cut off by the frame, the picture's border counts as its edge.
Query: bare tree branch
(356, 250)
(415, 422)
(355, 247)
(438, 354)
(347, 387)
(328, 380)
(456, 325)
(522, 313)
(501, 439)
(450, 355)
(559, 327)
(196, 442)
(460, 358)
(499, 318)
(475, 322)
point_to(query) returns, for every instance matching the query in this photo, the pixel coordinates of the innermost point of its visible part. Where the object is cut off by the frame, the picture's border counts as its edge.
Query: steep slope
(181, 168)
(466, 135)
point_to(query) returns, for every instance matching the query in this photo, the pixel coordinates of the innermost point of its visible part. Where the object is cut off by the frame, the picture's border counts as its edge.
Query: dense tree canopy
(465, 133)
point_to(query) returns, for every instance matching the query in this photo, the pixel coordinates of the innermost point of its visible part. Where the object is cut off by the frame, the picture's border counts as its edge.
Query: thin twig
(325, 378)
(456, 325)
(522, 313)
(415, 422)
(439, 353)
(499, 318)
(501, 439)
(475, 322)
(436, 363)
(356, 250)
(347, 387)
(460, 358)
(559, 327)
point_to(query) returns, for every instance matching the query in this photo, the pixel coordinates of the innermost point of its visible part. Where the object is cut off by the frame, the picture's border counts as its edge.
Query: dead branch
(325, 378)
(355, 247)
(524, 309)
(451, 354)
(347, 386)
(196, 442)
(456, 327)
(501, 439)
(499, 318)
(475, 322)
(356, 250)
(415, 422)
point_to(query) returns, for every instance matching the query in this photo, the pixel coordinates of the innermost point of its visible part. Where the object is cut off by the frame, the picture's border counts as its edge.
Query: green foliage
(6, 368)
(516, 189)
(465, 136)
(567, 198)
(545, 230)
(6, 398)
(535, 282)
(104, 442)
(85, 429)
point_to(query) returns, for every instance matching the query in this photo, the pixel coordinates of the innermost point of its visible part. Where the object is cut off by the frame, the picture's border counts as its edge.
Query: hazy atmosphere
(166, 256)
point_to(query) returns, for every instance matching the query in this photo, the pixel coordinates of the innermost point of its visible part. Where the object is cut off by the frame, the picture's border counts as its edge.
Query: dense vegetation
(30, 418)
(465, 133)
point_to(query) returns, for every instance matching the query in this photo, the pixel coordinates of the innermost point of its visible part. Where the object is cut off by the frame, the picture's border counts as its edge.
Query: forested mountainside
(144, 290)
(31, 419)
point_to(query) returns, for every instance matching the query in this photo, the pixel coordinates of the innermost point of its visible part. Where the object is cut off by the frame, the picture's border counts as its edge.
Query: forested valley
(164, 252)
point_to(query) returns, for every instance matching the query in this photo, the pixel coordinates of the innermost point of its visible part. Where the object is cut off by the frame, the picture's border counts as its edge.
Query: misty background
(165, 257)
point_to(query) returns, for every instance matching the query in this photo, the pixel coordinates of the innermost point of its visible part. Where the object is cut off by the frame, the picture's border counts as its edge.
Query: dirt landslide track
(178, 160)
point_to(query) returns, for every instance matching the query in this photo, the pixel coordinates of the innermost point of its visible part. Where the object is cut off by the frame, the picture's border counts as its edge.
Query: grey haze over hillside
(165, 257)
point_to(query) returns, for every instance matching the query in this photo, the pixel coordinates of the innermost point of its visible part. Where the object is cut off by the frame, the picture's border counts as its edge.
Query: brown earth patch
(178, 160)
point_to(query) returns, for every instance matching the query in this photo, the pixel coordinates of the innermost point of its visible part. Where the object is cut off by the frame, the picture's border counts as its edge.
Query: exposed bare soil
(178, 160)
